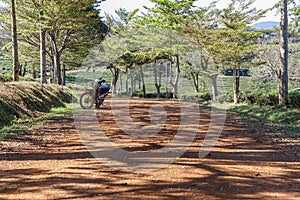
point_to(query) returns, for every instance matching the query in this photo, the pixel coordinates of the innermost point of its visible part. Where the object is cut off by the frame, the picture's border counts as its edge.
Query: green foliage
(295, 20)
(74, 26)
(5, 77)
(261, 98)
(223, 35)
(200, 97)
(234, 40)
(167, 14)
(294, 99)
(26, 100)
(142, 56)
(140, 94)
(273, 119)
(21, 125)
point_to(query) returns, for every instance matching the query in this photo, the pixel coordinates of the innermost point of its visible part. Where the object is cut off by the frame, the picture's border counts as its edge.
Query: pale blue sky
(109, 6)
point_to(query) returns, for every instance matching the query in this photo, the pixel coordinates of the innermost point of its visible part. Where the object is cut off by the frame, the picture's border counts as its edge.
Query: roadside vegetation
(29, 101)
(22, 125)
(274, 120)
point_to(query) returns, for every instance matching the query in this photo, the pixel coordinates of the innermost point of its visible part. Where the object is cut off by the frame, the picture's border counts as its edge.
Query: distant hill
(266, 25)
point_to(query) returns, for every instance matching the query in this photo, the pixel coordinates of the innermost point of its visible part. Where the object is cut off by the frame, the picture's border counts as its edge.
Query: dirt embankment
(29, 99)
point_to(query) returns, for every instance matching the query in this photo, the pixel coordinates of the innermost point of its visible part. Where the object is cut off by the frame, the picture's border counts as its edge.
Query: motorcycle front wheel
(87, 100)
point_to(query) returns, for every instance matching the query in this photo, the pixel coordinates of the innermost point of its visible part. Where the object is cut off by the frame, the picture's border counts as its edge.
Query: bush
(200, 97)
(140, 94)
(206, 96)
(5, 78)
(229, 97)
(256, 97)
(268, 99)
(294, 99)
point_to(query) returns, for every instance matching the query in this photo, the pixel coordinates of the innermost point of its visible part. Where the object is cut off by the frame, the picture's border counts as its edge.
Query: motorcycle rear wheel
(87, 100)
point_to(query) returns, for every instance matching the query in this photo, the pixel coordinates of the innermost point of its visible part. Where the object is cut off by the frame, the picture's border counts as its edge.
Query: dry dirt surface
(51, 162)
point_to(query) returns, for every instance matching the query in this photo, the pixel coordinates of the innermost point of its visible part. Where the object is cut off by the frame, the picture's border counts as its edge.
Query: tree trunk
(195, 77)
(132, 83)
(15, 54)
(33, 74)
(115, 74)
(176, 80)
(236, 84)
(128, 75)
(283, 74)
(57, 68)
(139, 82)
(214, 86)
(203, 84)
(157, 82)
(43, 77)
(24, 69)
(51, 73)
(56, 60)
(63, 75)
(143, 82)
(121, 83)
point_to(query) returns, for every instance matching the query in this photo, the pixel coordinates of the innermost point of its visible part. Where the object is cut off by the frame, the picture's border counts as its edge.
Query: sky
(109, 6)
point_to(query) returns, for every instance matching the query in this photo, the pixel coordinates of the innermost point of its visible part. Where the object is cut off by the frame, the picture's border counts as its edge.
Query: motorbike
(95, 96)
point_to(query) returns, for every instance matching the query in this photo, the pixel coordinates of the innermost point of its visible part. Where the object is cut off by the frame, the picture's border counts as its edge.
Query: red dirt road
(51, 162)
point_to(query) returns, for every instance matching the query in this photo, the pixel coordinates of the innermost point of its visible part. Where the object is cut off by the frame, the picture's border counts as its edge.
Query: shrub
(256, 97)
(206, 96)
(229, 97)
(268, 99)
(5, 78)
(294, 99)
(200, 97)
(140, 94)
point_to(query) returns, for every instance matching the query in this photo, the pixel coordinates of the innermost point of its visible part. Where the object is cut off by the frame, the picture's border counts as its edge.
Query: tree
(43, 59)
(107, 54)
(223, 34)
(157, 76)
(141, 58)
(197, 24)
(15, 55)
(237, 40)
(294, 65)
(198, 64)
(115, 47)
(295, 20)
(268, 60)
(71, 29)
(283, 73)
(76, 25)
(115, 71)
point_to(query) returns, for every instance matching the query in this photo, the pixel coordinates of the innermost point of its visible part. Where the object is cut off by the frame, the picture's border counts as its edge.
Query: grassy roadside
(280, 121)
(25, 100)
(21, 126)
(28, 104)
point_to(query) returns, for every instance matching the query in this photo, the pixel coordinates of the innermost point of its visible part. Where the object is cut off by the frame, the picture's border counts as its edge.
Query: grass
(20, 126)
(24, 104)
(281, 121)
(5, 66)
